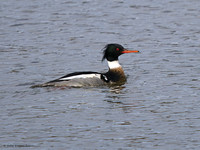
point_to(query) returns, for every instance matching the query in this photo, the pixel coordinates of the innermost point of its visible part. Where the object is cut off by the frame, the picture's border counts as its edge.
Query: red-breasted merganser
(114, 76)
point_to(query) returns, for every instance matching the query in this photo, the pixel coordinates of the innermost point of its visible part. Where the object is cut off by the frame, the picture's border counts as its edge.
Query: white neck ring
(113, 64)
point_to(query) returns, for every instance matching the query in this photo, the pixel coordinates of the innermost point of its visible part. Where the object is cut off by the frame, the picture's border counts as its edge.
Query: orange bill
(130, 51)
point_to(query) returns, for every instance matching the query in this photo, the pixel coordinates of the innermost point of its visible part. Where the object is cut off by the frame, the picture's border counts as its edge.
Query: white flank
(82, 76)
(113, 64)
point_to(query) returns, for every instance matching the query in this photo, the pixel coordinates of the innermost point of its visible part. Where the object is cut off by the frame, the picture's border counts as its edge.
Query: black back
(73, 74)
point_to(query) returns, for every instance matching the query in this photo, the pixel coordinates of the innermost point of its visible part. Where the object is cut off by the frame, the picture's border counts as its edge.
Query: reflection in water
(126, 107)
(117, 89)
(116, 96)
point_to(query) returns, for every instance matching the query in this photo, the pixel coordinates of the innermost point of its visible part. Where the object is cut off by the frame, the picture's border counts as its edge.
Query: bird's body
(114, 76)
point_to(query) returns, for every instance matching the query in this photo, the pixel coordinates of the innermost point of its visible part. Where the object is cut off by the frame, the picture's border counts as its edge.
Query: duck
(114, 76)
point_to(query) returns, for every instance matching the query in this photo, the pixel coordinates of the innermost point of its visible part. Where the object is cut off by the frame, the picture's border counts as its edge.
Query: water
(158, 107)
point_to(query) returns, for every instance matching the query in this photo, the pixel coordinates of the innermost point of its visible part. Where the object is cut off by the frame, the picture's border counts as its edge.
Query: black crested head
(112, 52)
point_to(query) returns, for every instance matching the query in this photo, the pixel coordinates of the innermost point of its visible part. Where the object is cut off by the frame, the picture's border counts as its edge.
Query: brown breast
(116, 76)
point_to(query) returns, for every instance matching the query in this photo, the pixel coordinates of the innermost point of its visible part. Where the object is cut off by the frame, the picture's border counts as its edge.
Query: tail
(42, 85)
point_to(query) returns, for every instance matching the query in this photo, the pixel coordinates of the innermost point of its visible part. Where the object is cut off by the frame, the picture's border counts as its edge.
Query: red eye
(117, 49)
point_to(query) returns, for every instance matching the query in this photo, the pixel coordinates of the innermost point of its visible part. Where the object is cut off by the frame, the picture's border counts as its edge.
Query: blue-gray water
(158, 107)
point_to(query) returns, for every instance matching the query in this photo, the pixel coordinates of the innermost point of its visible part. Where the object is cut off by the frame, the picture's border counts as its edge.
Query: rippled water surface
(158, 107)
